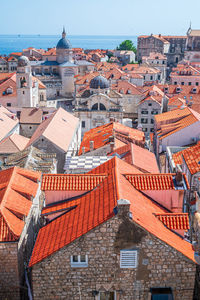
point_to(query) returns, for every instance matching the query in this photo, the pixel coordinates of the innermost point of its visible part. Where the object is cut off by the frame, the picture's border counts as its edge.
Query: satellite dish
(197, 257)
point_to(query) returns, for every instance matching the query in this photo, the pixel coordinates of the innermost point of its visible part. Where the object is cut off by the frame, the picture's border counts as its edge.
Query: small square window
(83, 124)
(79, 261)
(128, 259)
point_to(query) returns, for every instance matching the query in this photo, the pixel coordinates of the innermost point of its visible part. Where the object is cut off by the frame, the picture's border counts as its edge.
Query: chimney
(179, 176)
(91, 145)
(123, 206)
(112, 144)
(83, 150)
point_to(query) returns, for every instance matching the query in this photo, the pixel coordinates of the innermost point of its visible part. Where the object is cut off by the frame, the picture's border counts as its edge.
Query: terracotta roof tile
(16, 188)
(13, 143)
(101, 136)
(70, 182)
(97, 207)
(152, 181)
(54, 129)
(175, 221)
(191, 156)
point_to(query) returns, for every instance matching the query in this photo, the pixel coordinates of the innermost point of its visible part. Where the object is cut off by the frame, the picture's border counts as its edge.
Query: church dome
(63, 43)
(23, 61)
(99, 82)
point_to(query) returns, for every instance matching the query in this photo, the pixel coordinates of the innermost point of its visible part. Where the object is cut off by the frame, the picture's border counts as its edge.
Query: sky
(99, 17)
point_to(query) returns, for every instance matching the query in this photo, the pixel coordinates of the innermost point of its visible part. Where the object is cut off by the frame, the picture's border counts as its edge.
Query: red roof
(17, 186)
(70, 182)
(175, 221)
(152, 181)
(101, 136)
(191, 156)
(141, 158)
(96, 207)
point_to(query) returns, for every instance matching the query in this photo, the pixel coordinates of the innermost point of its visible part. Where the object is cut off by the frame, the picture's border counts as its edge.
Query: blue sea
(16, 43)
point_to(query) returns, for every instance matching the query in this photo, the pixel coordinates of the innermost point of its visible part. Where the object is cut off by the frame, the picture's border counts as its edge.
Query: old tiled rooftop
(175, 221)
(17, 187)
(96, 207)
(70, 182)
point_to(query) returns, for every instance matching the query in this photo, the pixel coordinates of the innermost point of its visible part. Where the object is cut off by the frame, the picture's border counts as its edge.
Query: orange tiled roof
(141, 158)
(175, 221)
(96, 207)
(126, 87)
(187, 120)
(151, 181)
(177, 157)
(55, 127)
(100, 135)
(17, 186)
(13, 143)
(191, 156)
(70, 182)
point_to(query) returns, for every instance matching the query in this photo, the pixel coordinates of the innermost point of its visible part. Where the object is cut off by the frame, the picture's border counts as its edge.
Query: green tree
(127, 45)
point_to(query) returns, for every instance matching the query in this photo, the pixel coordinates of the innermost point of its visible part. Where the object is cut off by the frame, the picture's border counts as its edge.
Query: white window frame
(128, 253)
(79, 264)
(99, 295)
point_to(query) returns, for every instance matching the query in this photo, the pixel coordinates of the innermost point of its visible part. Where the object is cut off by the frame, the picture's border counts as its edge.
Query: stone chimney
(179, 176)
(123, 206)
(91, 145)
(112, 144)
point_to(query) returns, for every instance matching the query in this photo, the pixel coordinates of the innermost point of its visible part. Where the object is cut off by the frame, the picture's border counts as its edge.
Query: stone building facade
(172, 46)
(157, 265)
(98, 105)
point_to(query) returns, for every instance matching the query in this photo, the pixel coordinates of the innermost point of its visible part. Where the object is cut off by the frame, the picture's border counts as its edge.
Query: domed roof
(23, 61)
(63, 43)
(99, 82)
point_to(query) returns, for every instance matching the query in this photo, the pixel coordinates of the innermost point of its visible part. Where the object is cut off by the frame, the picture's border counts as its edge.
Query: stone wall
(159, 265)
(44, 144)
(9, 275)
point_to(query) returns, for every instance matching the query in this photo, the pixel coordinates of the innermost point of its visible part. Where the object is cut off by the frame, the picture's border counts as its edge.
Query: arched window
(95, 106)
(101, 106)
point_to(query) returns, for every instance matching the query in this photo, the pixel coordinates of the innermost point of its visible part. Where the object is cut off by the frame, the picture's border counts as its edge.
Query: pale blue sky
(99, 17)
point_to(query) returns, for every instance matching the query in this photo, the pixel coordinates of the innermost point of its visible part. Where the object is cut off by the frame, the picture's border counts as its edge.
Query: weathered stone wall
(28, 130)
(159, 265)
(44, 144)
(9, 275)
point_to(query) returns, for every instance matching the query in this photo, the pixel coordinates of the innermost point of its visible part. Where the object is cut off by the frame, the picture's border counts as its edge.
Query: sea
(16, 43)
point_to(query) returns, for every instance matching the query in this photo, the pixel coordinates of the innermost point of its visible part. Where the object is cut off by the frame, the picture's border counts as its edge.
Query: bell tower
(24, 83)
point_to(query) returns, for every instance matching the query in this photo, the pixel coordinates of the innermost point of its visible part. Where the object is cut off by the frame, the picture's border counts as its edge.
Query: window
(182, 83)
(152, 121)
(23, 92)
(189, 83)
(144, 129)
(161, 294)
(154, 112)
(197, 83)
(152, 130)
(150, 104)
(151, 77)
(175, 82)
(107, 295)
(30, 127)
(144, 121)
(158, 77)
(8, 104)
(79, 261)
(128, 258)
(144, 112)
(83, 124)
